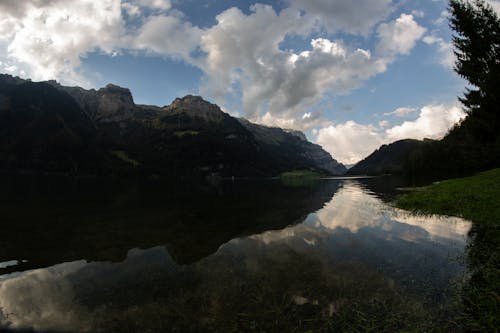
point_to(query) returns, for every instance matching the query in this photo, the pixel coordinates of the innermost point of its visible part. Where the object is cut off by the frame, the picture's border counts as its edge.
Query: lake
(91, 255)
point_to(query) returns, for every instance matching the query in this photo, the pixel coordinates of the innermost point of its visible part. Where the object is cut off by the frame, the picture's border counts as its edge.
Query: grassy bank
(298, 178)
(476, 198)
(300, 174)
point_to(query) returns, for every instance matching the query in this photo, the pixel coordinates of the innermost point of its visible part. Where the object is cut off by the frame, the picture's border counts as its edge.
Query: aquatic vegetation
(475, 198)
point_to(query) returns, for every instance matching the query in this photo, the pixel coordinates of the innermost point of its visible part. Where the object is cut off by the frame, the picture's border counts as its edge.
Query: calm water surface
(88, 255)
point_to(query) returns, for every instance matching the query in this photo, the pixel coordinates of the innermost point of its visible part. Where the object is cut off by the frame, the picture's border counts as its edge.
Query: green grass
(300, 174)
(476, 198)
(299, 178)
(120, 154)
(181, 134)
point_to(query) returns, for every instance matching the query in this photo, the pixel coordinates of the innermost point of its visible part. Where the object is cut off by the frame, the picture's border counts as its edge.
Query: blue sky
(351, 74)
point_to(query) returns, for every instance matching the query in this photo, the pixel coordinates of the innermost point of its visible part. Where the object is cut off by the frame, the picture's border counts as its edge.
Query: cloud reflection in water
(353, 232)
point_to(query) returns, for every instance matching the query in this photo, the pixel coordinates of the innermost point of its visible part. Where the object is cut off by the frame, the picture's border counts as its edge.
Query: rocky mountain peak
(114, 91)
(297, 133)
(13, 80)
(195, 103)
(196, 106)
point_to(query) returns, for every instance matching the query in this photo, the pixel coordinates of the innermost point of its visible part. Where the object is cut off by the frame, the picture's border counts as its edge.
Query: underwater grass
(476, 198)
(342, 298)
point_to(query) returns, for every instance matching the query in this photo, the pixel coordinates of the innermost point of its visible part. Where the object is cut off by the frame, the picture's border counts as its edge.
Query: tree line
(474, 144)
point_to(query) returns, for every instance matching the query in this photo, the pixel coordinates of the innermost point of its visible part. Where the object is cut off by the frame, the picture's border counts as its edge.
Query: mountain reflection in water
(253, 256)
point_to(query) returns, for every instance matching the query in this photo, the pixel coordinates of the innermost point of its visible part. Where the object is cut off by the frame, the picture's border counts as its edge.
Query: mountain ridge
(387, 159)
(114, 135)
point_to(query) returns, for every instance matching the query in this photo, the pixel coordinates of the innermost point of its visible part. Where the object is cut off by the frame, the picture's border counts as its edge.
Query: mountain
(388, 159)
(45, 126)
(292, 145)
(42, 128)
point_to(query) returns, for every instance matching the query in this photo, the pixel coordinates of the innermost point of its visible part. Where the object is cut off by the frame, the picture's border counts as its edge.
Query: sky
(351, 74)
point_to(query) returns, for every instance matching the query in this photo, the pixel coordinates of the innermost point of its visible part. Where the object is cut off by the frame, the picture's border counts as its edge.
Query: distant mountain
(292, 145)
(388, 159)
(45, 126)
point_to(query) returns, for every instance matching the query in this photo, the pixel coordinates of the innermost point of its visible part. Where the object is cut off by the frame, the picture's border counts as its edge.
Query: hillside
(388, 159)
(42, 128)
(45, 126)
(286, 145)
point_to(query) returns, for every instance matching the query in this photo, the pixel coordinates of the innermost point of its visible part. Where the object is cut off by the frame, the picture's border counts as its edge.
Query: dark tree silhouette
(477, 48)
(474, 144)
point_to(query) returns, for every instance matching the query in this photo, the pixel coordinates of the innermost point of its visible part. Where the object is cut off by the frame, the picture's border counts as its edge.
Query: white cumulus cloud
(445, 50)
(135, 8)
(399, 36)
(284, 83)
(154, 4)
(350, 142)
(433, 122)
(182, 40)
(240, 53)
(46, 39)
(308, 120)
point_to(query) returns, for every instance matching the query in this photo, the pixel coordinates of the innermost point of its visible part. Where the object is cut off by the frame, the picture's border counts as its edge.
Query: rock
(109, 104)
(115, 104)
(322, 159)
(196, 107)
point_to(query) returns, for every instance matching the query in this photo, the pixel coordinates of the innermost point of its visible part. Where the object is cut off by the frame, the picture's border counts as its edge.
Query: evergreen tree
(477, 48)
(474, 144)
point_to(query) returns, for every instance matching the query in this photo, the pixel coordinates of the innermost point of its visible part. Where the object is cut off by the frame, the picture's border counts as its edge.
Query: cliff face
(195, 107)
(194, 113)
(104, 131)
(293, 144)
(109, 104)
(115, 104)
(322, 159)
